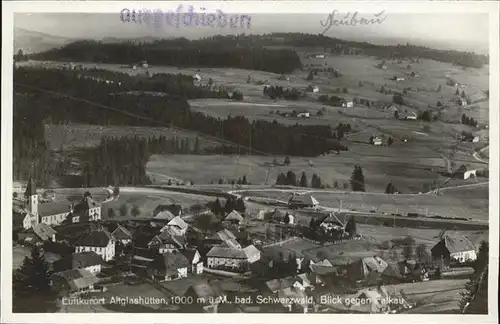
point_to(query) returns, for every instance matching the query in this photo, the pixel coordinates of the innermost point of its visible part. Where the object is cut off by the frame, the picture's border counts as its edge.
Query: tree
(425, 116)
(123, 210)
(316, 181)
(287, 160)
(303, 180)
(475, 298)
(291, 178)
(203, 221)
(286, 219)
(408, 251)
(135, 211)
(396, 114)
(382, 89)
(421, 253)
(350, 227)
(390, 189)
(439, 104)
(244, 180)
(344, 90)
(336, 184)
(210, 82)
(111, 213)
(310, 76)
(357, 179)
(463, 94)
(398, 99)
(31, 285)
(390, 141)
(360, 84)
(438, 88)
(457, 93)
(240, 205)
(281, 179)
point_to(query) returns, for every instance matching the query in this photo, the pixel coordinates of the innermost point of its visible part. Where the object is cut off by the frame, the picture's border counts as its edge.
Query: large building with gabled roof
(101, 242)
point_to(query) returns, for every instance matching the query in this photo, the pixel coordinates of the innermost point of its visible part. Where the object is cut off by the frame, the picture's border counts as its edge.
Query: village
(225, 266)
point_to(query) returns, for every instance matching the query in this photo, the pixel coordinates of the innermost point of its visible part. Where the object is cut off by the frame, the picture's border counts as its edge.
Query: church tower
(31, 198)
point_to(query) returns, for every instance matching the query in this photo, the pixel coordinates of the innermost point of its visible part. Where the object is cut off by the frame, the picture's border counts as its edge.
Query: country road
(476, 155)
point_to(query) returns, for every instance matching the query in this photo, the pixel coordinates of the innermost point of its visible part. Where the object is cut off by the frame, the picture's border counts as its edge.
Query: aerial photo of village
(265, 172)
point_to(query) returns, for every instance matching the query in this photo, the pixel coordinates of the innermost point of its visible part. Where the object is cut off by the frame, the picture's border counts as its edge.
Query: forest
(178, 52)
(71, 98)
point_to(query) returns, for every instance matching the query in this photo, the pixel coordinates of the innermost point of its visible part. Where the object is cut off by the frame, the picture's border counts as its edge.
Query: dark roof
(172, 208)
(205, 290)
(31, 188)
(44, 231)
(189, 254)
(457, 243)
(323, 270)
(78, 261)
(77, 278)
(96, 238)
(85, 204)
(167, 237)
(53, 208)
(234, 216)
(227, 252)
(303, 200)
(278, 284)
(121, 233)
(169, 263)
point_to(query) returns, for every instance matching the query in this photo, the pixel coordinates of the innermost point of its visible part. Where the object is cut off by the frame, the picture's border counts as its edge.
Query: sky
(461, 31)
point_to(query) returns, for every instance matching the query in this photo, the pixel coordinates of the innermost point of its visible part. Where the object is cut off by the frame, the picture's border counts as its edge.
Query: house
(197, 78)
(414, 75)
(332, 222)
(164, 215)
(454, 249)
(100, 242)
(38, 234)
(121, 234)
(322, 275)
(463, 173)
(361, 268)
(304, 114)
(87, 210)
(399, 78)
(320, 56)
(174, 209)
(144, 64)
(234, 217)
(461, 102)
(206, 297)
(302, 201)
(413, 116)
(73, 281)
(167, 241)
(89, 261)
(169, 266)
(348, 104)
(177, 226)
(475, 139)
(224, 237)
(377, 141)
(194, 258)
(232, 258)
(315, 89)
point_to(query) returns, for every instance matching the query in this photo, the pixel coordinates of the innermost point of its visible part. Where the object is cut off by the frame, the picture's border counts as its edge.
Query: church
(55, 213)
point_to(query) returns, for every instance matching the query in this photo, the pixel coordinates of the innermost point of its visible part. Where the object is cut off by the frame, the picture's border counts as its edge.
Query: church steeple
(30, 189)
(31, 198)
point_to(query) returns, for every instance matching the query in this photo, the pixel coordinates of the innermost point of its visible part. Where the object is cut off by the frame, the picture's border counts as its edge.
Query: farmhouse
(194, 258)
(332, 222)
(304, 114)
(347, 104)
(234, 217)
(412, 116)
(38, 234)
(301, 201)
(177, 226)
(167, 241)
(86, 210)
(461, 102)
(463, 173)
(454, 249)
(89, 261)
(232, 258)
(224, 237)
(73, 281)
(100, 242)
(169, 266)
(377, 141)
(475, 139)
(120, 233)
(398, 78)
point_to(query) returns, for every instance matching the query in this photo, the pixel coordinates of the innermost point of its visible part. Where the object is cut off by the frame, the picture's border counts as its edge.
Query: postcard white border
(9, 8)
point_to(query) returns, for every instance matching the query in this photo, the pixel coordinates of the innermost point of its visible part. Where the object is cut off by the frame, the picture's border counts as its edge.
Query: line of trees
(147, 110)
(290, 179)
(475, 298)
(278, 92)
(219, 51)
(466, 120)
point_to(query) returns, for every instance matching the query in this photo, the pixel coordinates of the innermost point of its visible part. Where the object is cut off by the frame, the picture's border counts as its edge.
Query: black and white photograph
(249, 157)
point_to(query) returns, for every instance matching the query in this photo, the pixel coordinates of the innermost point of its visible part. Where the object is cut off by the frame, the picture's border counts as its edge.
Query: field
(147, 199)
(75, 136)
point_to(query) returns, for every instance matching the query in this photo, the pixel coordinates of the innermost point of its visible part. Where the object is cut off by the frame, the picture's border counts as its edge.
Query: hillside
(32, 42)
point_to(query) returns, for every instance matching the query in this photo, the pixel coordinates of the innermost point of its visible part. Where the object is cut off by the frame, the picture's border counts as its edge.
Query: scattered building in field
(454, 249)
(377, 141)
(475, 139)
(100, 242)
(319, 56)
(399, 78)
(144, 64)
(461, 102)
(304, 114)
(75, 281)
(169, 266)
(173, 209)
(412, 116)
(332, 222)
(348, 104)
(414, 75)
(89, 261)
(235, 259)
(302, 201)
(463, 173)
